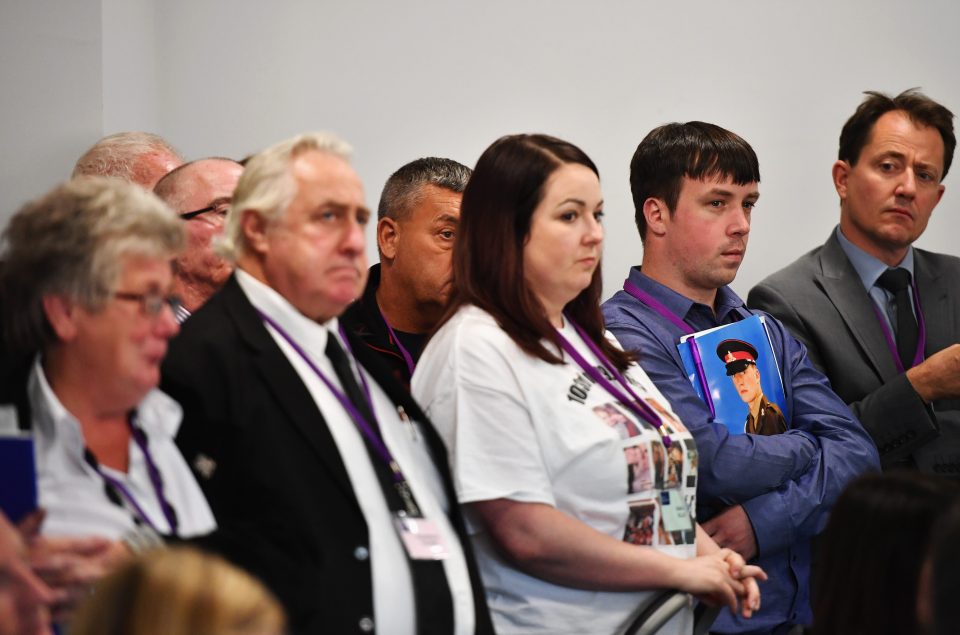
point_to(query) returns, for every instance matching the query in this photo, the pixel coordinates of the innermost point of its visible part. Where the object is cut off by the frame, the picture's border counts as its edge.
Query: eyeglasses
(219, 209)
(151, 303)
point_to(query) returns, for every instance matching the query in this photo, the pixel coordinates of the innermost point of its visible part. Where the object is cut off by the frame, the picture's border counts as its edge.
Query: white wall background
(401, 80)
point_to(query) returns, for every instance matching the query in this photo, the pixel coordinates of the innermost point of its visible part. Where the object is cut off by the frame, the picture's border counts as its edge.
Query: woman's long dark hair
(868, 567)
(498, 203)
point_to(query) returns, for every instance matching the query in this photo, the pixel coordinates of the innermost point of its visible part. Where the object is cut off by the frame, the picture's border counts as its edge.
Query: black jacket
(271, 471)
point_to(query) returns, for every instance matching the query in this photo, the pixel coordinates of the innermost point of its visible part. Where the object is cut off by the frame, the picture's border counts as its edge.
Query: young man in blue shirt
(694, 188)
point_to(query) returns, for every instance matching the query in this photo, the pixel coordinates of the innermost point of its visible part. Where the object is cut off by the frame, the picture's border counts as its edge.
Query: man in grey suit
(879, 317)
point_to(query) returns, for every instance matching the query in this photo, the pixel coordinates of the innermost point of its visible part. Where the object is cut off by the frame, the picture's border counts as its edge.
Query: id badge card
(674, 511)
(421, 538)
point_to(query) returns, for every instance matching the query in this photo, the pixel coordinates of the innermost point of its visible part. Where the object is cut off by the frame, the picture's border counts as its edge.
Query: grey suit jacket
(821, 299)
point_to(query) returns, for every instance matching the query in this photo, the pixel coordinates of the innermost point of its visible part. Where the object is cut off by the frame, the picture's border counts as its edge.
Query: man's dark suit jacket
(270, 468)
(823, 302)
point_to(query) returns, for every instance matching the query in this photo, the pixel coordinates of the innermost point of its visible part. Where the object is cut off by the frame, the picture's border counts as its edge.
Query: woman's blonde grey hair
(267, 186)
(179, 591)
(71, 242)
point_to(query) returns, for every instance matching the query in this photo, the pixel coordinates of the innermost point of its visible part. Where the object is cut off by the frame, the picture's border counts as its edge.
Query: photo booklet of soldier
(733, 369)
(18, 476)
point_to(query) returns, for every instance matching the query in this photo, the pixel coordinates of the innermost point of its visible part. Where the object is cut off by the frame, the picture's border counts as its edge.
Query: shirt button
(361, 553)
(366, 625)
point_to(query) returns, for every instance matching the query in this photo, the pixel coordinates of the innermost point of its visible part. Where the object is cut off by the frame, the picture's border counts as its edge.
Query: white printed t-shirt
(522, 429)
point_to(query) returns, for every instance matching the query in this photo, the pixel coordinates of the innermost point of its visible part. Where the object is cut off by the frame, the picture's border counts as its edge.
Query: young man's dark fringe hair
(498, 203)
(922, 110)
(694, 149)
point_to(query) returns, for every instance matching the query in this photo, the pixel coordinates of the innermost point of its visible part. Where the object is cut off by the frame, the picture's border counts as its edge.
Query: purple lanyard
(407, 357)
(372, 437)
(921, 331)
(155, 479)
(657, 306)
(631, 400)
(685, 328)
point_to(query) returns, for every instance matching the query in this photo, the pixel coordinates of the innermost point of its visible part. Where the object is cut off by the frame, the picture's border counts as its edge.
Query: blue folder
(18, 476)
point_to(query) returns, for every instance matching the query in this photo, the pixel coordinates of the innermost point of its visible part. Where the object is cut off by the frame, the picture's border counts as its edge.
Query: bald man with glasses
(200, 192)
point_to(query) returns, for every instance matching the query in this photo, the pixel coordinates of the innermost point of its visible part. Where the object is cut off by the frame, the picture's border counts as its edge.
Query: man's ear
(61, 314)
(388, 237)
(656, 212)
(253, 226)
(841, 172)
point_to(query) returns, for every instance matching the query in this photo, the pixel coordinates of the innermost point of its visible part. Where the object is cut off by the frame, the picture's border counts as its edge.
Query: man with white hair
(138, 157)
(200, 193)
(337, 496)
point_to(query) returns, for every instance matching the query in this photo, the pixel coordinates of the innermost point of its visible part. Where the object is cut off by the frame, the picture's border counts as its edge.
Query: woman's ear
(61, 314)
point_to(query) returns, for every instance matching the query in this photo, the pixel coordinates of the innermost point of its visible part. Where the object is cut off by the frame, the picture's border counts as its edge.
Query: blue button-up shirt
(786, 483)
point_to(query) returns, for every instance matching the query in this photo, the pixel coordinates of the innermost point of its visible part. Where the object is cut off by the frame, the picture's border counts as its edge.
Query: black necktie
(341, 366)
(897, 282)
(434, 605)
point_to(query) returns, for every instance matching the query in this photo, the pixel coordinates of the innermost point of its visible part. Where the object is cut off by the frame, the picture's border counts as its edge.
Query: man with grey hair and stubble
(138, 157)
(200, 193)
(407, 291)
(338, 497)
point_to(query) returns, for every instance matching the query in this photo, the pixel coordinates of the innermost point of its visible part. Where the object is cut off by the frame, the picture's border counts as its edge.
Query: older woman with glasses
(575, 519)
(87, 276)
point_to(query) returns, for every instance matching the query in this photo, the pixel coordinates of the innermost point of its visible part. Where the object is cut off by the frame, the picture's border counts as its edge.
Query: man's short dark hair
(922, 110)
(694, 149)
(405, 186)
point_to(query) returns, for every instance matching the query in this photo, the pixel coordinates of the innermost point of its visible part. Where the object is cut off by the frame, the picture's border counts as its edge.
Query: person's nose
(907, 187)
(354, 239)
(740, 223)
(594, 231)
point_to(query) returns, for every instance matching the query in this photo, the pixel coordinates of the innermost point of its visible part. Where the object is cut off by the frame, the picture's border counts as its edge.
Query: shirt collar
(681, 305)
(308, 334)
(868, 268)
(51, 419)
(157, 414)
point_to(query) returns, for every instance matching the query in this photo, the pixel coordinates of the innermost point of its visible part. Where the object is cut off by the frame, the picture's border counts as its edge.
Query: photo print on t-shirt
(640, 523)
(659, 463)
(670, 423)
(617, 420)
(639, 476)
(676, 519)
(683, 537)
(693, 461)
(675, 455)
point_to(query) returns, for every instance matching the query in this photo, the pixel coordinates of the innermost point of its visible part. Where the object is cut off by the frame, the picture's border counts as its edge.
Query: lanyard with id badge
(421, 537)
(675, 513)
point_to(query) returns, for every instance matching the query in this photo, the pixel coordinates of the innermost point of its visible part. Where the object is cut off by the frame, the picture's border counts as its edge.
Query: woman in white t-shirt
(577, 477)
